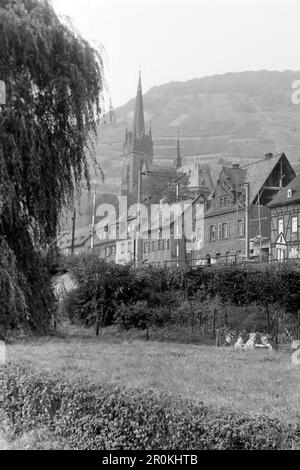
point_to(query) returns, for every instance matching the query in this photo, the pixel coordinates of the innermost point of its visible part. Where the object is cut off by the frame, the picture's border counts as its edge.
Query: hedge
(106, 417)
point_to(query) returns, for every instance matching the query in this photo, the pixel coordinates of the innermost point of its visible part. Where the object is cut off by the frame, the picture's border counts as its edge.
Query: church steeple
(139, 121)
(137, 148)
(178, 156)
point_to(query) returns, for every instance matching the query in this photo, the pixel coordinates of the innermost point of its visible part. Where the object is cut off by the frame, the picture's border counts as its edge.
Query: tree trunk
(218, 338)
(268, 318)
(99, 318)
(214, 321)
(226, 317)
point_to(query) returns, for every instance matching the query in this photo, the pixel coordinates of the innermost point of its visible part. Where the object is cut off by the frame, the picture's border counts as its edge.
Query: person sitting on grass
(265, 343)
(250, 345)
(240, 344)
(228, 338)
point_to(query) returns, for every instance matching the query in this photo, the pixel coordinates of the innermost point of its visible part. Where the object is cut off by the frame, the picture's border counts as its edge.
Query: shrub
(108, 293)
(106, 417)
(136, 315)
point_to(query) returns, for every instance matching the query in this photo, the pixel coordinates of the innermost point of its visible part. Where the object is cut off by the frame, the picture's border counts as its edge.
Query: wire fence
(227, 260)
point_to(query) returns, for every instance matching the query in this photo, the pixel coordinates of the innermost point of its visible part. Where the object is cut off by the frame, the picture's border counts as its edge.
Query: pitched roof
(199, 176)
(258, 173)
(81, 237)
(282, 197)
(236, 175)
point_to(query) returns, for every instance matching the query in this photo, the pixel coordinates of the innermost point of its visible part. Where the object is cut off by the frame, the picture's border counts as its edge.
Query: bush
(133, 316)
(107, 417)
(108, 294)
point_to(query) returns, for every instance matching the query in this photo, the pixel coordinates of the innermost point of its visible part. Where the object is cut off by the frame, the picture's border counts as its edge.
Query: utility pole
(137, 235)
(177, 227)
(73, 233)
(259, 229)
(93, 219)
(247, 220)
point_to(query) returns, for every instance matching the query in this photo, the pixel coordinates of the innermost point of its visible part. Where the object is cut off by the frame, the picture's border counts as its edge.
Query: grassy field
(256, 382)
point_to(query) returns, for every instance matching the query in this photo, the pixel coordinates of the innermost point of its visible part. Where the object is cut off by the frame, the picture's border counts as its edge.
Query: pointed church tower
(137, 148)
(139, 121)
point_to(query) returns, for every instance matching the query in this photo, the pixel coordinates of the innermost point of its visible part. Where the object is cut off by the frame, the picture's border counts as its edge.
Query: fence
(226, 260)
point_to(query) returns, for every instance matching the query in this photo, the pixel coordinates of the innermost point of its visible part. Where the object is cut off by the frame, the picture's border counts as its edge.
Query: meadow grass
(255, 382)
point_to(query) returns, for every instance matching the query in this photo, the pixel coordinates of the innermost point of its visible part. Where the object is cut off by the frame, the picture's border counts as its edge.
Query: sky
(178, 40)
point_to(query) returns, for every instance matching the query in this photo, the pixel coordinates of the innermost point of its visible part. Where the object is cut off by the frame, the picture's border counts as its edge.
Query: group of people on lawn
(245, 342)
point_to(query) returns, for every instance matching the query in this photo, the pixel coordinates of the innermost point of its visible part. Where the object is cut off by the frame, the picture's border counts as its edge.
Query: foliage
(136, 315)
(101, 287)
(106, 417)
(54, 83)
(11, 281)
(244, 297)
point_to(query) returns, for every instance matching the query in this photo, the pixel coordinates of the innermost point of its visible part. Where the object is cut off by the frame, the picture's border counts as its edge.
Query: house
(82, 241)
(173, 233)
(105, 248)
(125, 251)
(285, 222)
(237, 213)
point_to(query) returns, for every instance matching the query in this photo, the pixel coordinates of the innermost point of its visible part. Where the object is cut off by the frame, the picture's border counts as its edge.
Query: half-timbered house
(285, 222)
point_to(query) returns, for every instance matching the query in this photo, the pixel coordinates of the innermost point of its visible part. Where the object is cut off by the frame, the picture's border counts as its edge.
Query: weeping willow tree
(54, 82)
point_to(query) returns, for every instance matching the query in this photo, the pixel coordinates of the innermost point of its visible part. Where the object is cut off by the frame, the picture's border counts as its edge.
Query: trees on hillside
(54, 81)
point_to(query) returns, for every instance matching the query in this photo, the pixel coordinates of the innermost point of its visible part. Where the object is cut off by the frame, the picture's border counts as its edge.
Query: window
(290, 194)
(225, 231)
(159, 245)
(153, 247)
(167, 245)
(220, 233)
(280, 226)
(295, 224)
(212, 233)
(224, 201)
(241, 228)
(123, 248)
(235, 229)
(129, 247)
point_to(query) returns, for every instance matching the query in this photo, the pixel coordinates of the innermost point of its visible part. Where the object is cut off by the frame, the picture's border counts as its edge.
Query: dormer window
(289, 194)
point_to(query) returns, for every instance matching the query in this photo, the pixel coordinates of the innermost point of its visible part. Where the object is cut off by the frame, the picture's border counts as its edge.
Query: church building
(138, 156)
(137, 148)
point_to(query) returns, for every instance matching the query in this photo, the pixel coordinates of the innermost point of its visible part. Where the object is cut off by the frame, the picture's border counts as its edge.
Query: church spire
(178, 159)
(139, 122)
